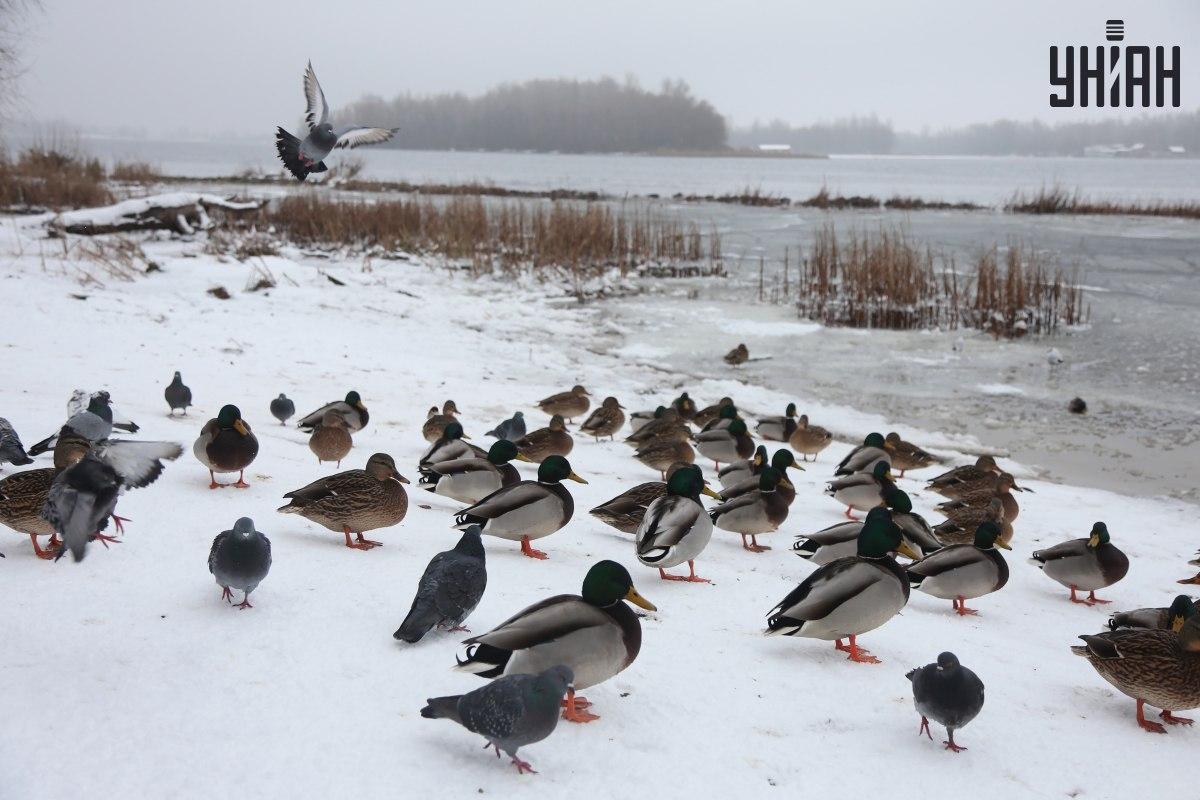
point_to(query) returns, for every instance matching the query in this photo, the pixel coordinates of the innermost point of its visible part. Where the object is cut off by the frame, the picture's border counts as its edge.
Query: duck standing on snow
(449, 589)
(354, 501)
(778, 429)
(809, 440)
(725, 446)
(864, 457)
(737, 472)
(511, 429)
(685, 405)
(527, 510)
(625, 511)
(949, 694)
(240, 559)
(605, 420)
(782, 459)
(755, 513)
(963, 572)
(448, 446)
(178, 395)
(569, 405)
(962, 481)
(710, 413)
(850, 596)
(470, 479)
(226, 444)
(1000, 487)
(331, 440)
(666, 424)
(302, 157)
(738, 355)
(435, 423)
(1159, 667)
(906, 455)
(662, 454)
(862, 490)
(1084, 564)
(594, 633)
(282, 408)
(351, 408)
(725, 417)
(510, 712)
(841, 540)
(11, 449)
(552, 440)
(1171, 618)
(675, 527)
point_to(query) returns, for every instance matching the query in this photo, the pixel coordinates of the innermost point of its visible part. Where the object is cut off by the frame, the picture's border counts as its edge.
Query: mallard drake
(1000, 488)
(1092, 563)
(553, 440)
(675, 527)
(436, 422)
(754, 513)
(709, 413)
(605, 420)
(850, 596)
(862, 490)
(667, 424)
(962, 572)
(282, 408)
(949, 694)
(809, 440)
(449, 446)
(22, 496)
(1171, 618)
(660, 454)
(906, 455)
(574, 403)
(781, 460)
(470, 479)
(226, 444)
(1159, 667)
(778, 429)
(625, 511)
(961, 523)
(725, 445)
(864, 457)
(737, 472)
(355, 501)
(331, 440)
(685, 405)
(351, 408)
(526, 510)
(969, 479)
(738, 355)
(841, 540)
(594, 633)
(725, 417)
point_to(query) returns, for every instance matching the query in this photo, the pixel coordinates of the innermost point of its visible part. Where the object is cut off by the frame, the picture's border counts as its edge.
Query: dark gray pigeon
(240, 559)
(94, 423)
(948, 693)
(449, 590)
(511, 429)
(303, 157)
(84, 495)
(510, 712)
(178, 396)
(282, 408)
(11, 449)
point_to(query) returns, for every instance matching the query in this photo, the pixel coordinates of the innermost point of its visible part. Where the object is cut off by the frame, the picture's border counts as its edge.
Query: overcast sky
(235, 65)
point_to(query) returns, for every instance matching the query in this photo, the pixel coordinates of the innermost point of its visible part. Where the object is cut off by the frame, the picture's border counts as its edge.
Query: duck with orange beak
(226, 444)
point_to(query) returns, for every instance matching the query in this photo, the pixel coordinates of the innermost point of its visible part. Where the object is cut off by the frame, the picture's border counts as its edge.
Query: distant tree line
(851, 135)
(551, 115)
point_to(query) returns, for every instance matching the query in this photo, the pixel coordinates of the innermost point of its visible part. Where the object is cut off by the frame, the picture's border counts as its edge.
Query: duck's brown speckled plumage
(435, 423)
(605, 420)
(1160, 667)
(906, 455)
(809, 440)
(570, 405)
(625, 511)
(22, 496)
(359, 500)
(660, 454)
(331, 440)
(553, 440)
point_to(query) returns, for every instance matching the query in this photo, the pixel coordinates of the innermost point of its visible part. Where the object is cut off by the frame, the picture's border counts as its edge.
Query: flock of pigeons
(542, 655)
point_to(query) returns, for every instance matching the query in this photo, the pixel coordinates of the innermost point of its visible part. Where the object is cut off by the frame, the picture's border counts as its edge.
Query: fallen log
(179, 212)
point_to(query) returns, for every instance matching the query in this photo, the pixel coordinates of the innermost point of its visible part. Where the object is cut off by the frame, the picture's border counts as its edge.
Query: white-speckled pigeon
(178, 395)
(83, 409)
(80, 398)
(84, 495)
(948, 693)
(510, 712)
(240, 559)
(11, 449)
(511, 429)
(449, 589)
(303, 157)
(282, 408)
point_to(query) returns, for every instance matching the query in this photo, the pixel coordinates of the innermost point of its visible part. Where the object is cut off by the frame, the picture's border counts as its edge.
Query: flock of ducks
(539, 658)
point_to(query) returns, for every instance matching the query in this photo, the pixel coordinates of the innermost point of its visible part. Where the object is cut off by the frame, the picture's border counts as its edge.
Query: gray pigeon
(240, 559)
(80, 399)
(511, 429)
(449, 590)
(282, 408)
(178, 395)
(94, 423)
(510, 712)
(948, 693)
(303, 157)
(11, 449)
(84, 495)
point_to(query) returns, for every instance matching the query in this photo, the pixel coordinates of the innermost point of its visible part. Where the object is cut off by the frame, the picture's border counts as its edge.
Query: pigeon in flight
(303, 157)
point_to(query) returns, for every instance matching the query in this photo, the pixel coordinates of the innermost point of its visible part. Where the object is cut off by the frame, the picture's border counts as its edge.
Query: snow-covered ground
(126, 675)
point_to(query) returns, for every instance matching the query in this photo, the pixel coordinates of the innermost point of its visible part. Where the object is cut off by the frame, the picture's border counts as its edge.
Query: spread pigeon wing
(317, 111)
(138, 464)
(356, 136)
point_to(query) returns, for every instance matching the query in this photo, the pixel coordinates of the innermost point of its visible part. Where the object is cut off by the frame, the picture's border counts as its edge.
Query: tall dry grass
(1059, 200)
(47, 179)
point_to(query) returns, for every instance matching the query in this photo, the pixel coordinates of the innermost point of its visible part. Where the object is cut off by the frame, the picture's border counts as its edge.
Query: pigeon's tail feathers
(44, 446)
(442, 708)
(79, 528)
(420, 620)
(289, 153)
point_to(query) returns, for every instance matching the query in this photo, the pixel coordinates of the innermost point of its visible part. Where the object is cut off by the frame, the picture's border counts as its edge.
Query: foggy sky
(168, 66)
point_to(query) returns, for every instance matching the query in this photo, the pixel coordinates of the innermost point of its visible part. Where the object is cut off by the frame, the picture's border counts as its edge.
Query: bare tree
(12, 14)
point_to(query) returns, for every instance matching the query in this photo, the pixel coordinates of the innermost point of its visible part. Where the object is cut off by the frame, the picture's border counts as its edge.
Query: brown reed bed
(749, 196)
(1059, 200)
(141, 172)
(886, 280)
(42, 179)
(902, 203)
(825, 200)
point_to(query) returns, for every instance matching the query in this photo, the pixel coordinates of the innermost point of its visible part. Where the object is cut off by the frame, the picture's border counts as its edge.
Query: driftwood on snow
(180, 212)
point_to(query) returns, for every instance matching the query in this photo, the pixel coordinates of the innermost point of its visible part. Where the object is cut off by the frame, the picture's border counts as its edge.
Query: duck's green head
(737, 427)
(658, 412)
(783, 459)
(504, 451)
(1098, 536)
(770, 479)
(353, 399)
(882, 470)
(728, 411)
(556, 469)
(607, 582)
(452, 431)
(899, 501)
(688, 481)
(880, 537)
(230, 417)
(760, 456)
(873, 440)
(987, 536)
(791, 410)
(1182, 609)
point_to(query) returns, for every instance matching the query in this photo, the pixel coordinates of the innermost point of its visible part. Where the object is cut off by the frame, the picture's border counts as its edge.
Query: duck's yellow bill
(635, 598)
(241, 428)
(1003, 545)
(710, 492)
(523, 457)
(576, 478)
(908, 551)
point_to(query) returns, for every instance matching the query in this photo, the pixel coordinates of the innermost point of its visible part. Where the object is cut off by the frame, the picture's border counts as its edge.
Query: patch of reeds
(135, 172)
(824, 200)
(42, 179)
(749, 196)
(901, 203)
(1059, 200)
